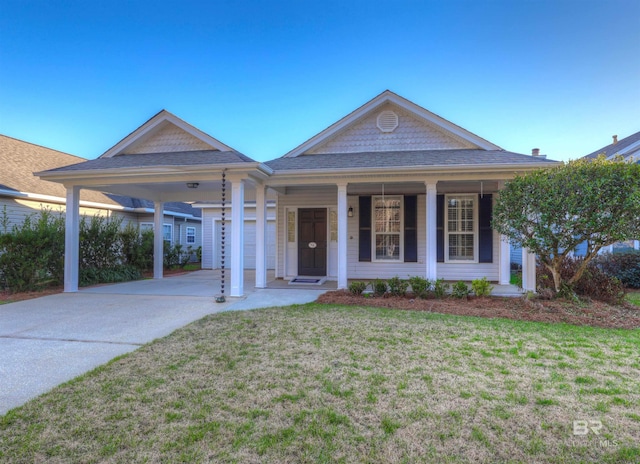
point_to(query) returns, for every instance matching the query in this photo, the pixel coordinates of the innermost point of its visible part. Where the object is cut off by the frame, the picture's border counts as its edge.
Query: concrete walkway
(50, 340)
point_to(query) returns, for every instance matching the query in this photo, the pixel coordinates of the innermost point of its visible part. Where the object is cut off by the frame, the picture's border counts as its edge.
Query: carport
(167, 159)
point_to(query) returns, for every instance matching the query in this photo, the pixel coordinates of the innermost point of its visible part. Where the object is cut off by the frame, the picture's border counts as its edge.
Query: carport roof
(187, 158)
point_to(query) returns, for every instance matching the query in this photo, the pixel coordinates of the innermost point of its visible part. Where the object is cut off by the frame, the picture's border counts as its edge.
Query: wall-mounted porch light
(192, 185)
(350, 212)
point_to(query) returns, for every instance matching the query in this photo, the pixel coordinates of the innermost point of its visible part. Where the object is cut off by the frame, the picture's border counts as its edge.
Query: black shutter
(440, 227)
(485, 233)
(411, 229)
(364, 239)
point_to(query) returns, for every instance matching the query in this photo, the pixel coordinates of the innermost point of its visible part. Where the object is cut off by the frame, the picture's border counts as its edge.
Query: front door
(312, 242)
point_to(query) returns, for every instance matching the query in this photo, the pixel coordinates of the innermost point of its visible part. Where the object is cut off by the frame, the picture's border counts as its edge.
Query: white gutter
(53, 199)
(404, 169)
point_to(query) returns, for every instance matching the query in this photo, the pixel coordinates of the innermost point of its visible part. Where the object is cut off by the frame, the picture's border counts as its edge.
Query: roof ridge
(42, 146)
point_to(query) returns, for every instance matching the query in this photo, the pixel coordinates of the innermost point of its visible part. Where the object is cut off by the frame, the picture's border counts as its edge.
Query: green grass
(634, 298)
(317, 383)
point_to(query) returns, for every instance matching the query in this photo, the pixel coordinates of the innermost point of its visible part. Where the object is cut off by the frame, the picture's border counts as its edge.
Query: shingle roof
(187, 158)
(20, 160)
(613, 149)
(387, 159)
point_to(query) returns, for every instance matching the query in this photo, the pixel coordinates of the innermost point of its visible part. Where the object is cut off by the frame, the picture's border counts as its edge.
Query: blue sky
(263, 77)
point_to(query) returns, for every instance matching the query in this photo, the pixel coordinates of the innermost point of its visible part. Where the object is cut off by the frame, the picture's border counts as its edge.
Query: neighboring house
(23, 194)
(389, 190)
(629, 149)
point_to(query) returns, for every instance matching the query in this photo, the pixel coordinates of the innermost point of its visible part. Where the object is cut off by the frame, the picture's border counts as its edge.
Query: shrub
(137, 247)
(460, 290)
(440, 288)
(624, 266)
(481, 287)
(357, 287)
(398, 287)
(32, 253)
(594, 283)
(100, 243)
(379, 287)
(420, 286)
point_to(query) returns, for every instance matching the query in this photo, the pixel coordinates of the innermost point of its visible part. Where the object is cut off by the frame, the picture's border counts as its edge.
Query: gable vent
(387, 121)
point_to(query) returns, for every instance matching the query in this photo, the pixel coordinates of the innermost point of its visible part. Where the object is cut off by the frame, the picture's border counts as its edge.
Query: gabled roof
(20, 159)
(385, 98)
(161, 122)
(626, 147)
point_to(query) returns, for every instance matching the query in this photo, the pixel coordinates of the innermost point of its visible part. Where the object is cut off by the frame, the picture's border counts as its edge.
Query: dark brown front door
(312, 242)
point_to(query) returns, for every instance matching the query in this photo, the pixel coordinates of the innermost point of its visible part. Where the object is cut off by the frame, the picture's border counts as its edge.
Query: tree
(551, 211)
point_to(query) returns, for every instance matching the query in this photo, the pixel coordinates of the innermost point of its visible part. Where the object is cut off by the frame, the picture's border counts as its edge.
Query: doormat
(308, 281)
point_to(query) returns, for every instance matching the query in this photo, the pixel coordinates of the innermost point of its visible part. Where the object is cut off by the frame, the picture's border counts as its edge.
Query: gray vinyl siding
(327, 197)
(18, 210)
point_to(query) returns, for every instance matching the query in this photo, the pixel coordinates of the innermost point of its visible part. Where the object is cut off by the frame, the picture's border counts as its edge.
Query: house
(390, 189)
(23, 194)
(629, 149)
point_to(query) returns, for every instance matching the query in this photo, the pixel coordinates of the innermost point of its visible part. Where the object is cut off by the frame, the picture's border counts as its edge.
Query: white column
(636, 244)
(505, 261)
(504, 271)
(261, 237)
(158, 239)
(431, 205)
(72, 240)
(237, 238)
(528, 271)
(342, 235)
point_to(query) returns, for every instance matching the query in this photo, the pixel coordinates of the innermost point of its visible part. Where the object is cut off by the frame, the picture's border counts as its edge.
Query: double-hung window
(191, 235)
(461, 230)
(387, 228)
(167, 232)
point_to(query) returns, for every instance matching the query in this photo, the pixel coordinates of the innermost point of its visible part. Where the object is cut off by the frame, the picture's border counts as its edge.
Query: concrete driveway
(50, 340)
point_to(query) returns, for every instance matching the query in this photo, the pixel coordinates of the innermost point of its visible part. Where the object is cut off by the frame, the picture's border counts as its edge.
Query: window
(191, 235)
(461, 228)
(144, 226)
(333, 226)
(291, 226)
(167, 232)
(387, 228)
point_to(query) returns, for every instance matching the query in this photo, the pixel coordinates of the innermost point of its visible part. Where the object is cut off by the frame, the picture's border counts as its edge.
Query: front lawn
(634, 297)
(321, 383)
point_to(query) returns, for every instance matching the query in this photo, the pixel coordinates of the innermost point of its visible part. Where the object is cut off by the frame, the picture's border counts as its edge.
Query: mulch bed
(594, 313)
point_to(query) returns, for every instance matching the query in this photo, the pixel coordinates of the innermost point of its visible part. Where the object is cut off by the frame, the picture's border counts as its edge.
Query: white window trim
(476, 236)
(373, 229)
(165, 224)
(188, 235)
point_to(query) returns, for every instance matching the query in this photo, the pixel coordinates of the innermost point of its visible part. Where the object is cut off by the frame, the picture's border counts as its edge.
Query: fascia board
(411, 169)
(103, 174)
(60, 200)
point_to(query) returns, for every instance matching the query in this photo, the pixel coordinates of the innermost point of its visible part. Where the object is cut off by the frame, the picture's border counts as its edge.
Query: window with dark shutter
(485, 233)
(440, 227)
(411, 229)
(364, 237)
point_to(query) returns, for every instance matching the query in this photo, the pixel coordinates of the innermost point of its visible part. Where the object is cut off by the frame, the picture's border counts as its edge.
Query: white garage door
(249, 244)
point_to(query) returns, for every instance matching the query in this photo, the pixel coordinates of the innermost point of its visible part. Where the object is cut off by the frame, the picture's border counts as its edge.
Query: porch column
(431, 205)
(72, 240)
(636, 244)
(237, 237)
(158, 239)
(342, 235)
(261, 237)
(528, 271)
(504, 272)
